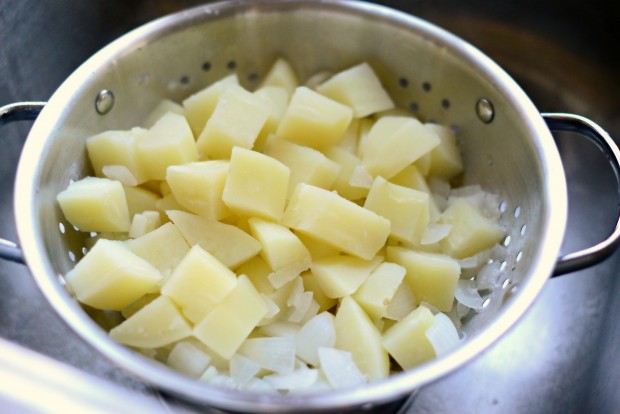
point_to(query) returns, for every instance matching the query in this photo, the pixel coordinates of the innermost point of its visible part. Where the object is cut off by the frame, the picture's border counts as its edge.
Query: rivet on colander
(104, 101)
(485, 110)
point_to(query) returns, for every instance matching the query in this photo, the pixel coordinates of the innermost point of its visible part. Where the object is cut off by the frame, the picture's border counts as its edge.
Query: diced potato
(359, 88)
(364, 128)
(406, 340)
(200, 106)
(314, 120)
(164, 106)
(95, 204)
(140, 199)
(164, 248)
(423, 164)
(307, 165)
(199, 283)
(199, 186)
(311, 284)
(340, 276)
(356, 333)
(226, 242)
(348, 142)
(189, 359)
(257, 270)
(432, 277)
(280, 246)
(116, 148)
(144, 223)
(317, 248)
(237, 120)
(336, 221)
(138, 304)
(281, 74)
(395, 142)
(168, 142)
(411, 177)
(348, 163)
(406, 208)
(111, 277)
(157, 324)
(446, 159)
(168, 203)
(256, 185)
(276, 100)
(471, 232)
(226, 327)
(376, 293)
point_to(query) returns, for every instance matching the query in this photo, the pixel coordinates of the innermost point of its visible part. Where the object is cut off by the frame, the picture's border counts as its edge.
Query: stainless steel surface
(570, 366)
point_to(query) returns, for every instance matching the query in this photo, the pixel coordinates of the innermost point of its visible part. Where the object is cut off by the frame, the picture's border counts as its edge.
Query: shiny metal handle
(20, 111)
(590, 256)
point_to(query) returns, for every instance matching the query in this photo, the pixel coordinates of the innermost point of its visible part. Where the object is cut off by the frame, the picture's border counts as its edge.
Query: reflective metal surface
(562, 357)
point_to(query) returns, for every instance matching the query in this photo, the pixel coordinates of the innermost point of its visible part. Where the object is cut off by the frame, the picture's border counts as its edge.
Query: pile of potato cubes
(284, 239)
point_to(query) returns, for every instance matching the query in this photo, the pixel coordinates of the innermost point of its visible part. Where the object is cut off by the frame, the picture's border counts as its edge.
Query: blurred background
(564, 356)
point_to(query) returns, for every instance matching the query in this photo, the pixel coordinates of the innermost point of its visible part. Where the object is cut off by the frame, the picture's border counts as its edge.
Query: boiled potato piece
(227, 325)
(359, 88)
(336, 221)
(432, 277)
(95, 204)
(189, 359)
(377, 291)
(258, 271)
(164, 106)
(340, 276)
(283, 75)
(411, 177)
(348, 164)
(168, 142)
(311, 284)
(198, 283)
(200, 106)
(276, 100)
(313, 120)
(445, 159)
(116, 148)
(111, 277)
(157, 324)
(140, 199)
(406, 340)
(144, 223)
(256, 185)
(317, 248)
(237, 120)
(356, 333)
(199, 186)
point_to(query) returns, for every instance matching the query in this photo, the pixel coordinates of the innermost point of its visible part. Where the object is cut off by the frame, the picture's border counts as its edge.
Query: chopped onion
(210, 373)
(435, 233)
(313, 310)
(120, 173)
(284, 275)
(318, 331)
(258, 385)
(339, 368)
(223, 380)
(360, 177)
(442, 335)
(300, 307)
(439, 187)
(275, 354)
(299, 379)
(243, 369)
(187, 358)
(467, 294)
(280, 328)
(296, 292)
(272, 310)
(402, 303)
(470, 262)
(488, 275)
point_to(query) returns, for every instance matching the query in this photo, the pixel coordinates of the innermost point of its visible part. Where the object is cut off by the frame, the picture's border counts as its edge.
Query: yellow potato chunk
(199, 186)
(200, 106)
(157, 324)
(95, 204)
(258, 271)
(276, 100)
(359, 88)
(356, 334)
(445, 159)
(280, 246)
(395, 142)
(307, 165)
(311, 284)
(348, 163)
(232, 320)
(198, 283)
(313, 120)
(406, 340)
(256, 185)
(237, 120)
(407, 209)
(168, 142)
(164, 106)
(116, 148)
(411, 177)
(336, 221)
(340, 276)
(281, 74)
(432, 277)
(111, 277)
(377, 291)
(471, 232)
(140, 199)
(226, 242)
(144, 223)
(317, 248)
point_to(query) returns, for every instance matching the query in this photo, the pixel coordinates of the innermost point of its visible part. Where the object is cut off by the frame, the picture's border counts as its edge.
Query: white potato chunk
(283, 75)
(348, 164)
(144, 223)
(200, 106)
(445, 159)
(406, 340)
(187, 358)
(378, 290)
(340, 276)
(116, 148)
(164, 106)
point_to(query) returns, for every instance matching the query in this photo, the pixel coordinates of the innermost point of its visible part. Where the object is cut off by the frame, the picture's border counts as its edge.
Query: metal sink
(564, 356)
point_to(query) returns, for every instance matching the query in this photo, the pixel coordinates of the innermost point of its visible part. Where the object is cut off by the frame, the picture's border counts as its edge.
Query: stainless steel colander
(507, 147)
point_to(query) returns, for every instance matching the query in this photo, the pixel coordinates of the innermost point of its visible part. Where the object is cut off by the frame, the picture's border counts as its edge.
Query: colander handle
(590, 256)
(21, 111)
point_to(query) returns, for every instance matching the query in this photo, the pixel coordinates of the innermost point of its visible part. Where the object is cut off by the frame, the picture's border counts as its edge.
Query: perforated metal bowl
(507, 147)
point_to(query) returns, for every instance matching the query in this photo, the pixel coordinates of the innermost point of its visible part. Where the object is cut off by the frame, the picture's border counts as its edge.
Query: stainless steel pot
(506, 142)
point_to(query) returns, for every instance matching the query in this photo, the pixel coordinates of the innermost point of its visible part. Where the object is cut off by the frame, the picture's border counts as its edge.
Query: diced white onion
(300, 307)
(258, 385)
(470, 262)
(297, 380)
(402, 303)
(243, 369)
(296, 292)
(187, 358)
(280, 328)
(360, 177)
(339, 368)
(434, 233)
(467, 294)
(275, 354)
(210, 373)
(284, 275)
(223, 380)
(488, 275)
(120, 173)
(318, 331)
(442, 335)
(272, 310)
(313, 310)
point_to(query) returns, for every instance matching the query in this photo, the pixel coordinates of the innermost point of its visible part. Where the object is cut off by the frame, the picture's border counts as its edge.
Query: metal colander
(506, 143)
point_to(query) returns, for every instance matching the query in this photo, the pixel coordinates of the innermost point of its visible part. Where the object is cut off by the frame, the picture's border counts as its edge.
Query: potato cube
(116, 148)
(359, 88)
(340, 276)
(336, 221)
(406, 340)
(280, 246)
(257, 270)
(198, 283)
(406, 208)
(232, 320)
(157, 324)
(168, 142)
(237, 120)
(199, 186)
(226, 242)
(140, 199)
(164, 106)
(313, 120)
(111, 277)
(276, 100)
(471, 232)
(356, 333)
(348, 164)
(411, 177)
(432, 277)
(395, 142)
(144, 223)
(376, 293)
(95, 204)
(167, 203)
(189, 359)
(307, 165)
(283, 75)
(256, 185)
(446, 159)
(311, 284)
(317, 248)
(200, 106)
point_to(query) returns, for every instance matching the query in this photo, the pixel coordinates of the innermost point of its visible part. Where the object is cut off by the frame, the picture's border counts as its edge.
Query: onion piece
(360, 177)
(467, 294)
(280, 328)
(120, 173)
(187, 358)
(339, 368)
(402, 303)
(300, 307)
(243, 369)
(442, 335)
(275, 354)
(258, 385)
(488, 276)
(294, 381)
(318, 331)
(434, 233)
